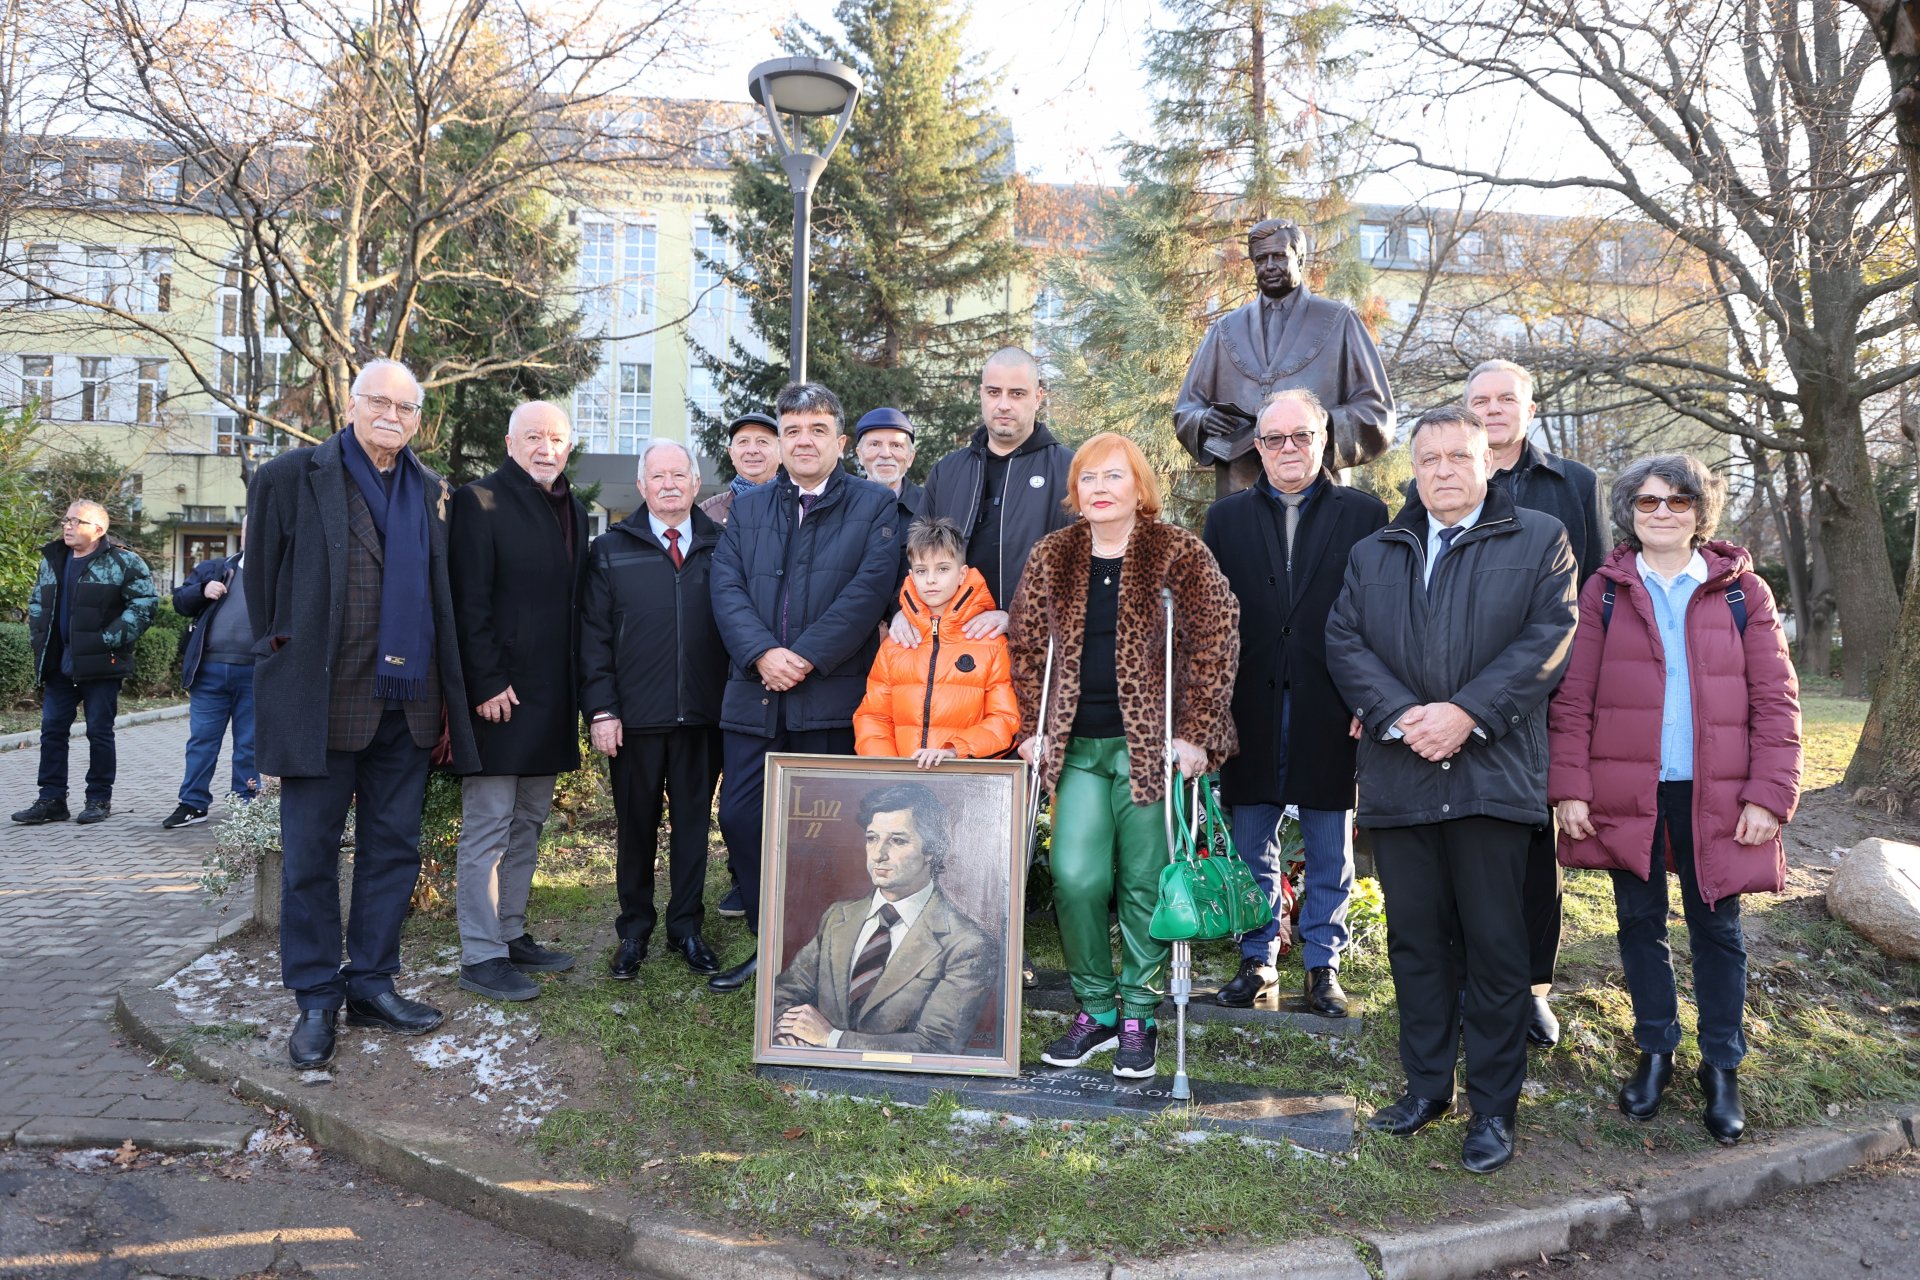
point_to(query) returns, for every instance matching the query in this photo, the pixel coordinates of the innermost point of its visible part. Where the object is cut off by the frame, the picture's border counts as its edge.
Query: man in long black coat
(1283, 545)
(519, 557)
(349, 684)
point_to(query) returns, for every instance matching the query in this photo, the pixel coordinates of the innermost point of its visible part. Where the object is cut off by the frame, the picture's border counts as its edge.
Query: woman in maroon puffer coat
(1676, 736)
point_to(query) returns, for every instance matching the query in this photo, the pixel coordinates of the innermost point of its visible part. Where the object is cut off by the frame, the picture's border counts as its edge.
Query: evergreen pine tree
(912, 230)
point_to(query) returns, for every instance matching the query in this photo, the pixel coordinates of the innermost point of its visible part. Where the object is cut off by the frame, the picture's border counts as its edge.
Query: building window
(230, 304)
(702, 394)
(225, 428)
(1374, 237)
(710, 258)
(1471, 247)
(150, 391)
(43, 274)
(36, 383)
(636, 407)
(156, 280)
(108, 277)
(1420, 244)
(48, 173)
(103, 180)
(95, 382)
(163, 182)
(1609, 257)
(590, 414)
(638, 253)
(596, 265)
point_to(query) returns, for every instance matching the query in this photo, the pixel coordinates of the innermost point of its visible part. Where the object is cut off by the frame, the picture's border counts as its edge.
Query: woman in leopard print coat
(1093, 590)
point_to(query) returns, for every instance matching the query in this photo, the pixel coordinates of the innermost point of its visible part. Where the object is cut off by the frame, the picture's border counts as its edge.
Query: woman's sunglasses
(1677, 503)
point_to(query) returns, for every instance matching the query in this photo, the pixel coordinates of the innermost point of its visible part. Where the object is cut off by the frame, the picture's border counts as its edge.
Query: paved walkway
(82, 910)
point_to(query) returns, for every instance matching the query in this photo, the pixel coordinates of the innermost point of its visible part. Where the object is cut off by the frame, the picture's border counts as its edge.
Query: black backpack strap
(1737, 601)
(1606, 607)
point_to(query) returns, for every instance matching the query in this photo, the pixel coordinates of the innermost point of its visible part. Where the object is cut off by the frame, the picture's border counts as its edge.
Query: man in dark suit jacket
(1501, 393)
(519, 552)
(1283, 545)
(802, 579)
(349, 683)
(900, 970)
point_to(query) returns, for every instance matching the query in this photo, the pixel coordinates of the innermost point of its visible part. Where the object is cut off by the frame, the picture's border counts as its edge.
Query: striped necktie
(873, 958)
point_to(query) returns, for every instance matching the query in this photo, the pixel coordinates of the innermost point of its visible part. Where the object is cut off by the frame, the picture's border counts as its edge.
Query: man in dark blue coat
(1500, 392)
(1283, 544)
(802, 579)
(217, 671)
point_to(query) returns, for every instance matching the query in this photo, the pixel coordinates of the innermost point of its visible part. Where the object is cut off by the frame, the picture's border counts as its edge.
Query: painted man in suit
(899, 970)
(1283, 546)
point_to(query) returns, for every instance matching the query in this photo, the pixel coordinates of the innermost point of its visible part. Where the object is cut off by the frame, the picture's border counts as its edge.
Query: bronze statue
(1286, 337)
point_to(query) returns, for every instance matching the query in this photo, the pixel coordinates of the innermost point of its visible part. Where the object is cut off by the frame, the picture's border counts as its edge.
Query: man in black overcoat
(519, 556)
(1283, 545)
(351, 683)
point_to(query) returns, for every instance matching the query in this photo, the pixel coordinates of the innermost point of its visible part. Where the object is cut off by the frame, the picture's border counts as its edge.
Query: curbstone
(1515, 1235)
(69, 1132)
(1763, 1172)
(1319, 1258)
(31, 738)
(670, 1252)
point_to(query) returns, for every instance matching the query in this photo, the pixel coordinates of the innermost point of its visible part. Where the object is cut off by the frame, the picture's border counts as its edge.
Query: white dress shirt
(1434, 527)
(909, 909)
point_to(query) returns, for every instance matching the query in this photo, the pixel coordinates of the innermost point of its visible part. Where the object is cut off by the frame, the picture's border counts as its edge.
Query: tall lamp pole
(803, 87)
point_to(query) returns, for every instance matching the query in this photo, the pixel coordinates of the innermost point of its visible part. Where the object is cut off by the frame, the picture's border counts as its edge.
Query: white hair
(513, 419)
(360, 379)
(89, 507)
(1520, 376)
(646, 450)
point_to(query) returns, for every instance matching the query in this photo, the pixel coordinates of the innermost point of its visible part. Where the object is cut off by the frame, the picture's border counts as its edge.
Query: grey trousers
(500, 821)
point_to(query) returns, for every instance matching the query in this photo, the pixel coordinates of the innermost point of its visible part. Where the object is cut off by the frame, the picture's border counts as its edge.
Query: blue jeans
(58, 702)
(221, 692)
(1714, 937)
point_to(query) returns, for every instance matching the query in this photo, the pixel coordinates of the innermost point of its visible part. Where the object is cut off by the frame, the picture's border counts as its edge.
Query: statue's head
(1274, 245)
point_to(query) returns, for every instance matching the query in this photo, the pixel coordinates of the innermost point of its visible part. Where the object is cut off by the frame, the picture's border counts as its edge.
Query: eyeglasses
(67, 520)
(1276, 441)
(1678, 503)
(383, 405)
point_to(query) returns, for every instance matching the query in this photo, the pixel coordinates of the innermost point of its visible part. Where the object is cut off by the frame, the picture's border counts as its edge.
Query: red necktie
(673, 548)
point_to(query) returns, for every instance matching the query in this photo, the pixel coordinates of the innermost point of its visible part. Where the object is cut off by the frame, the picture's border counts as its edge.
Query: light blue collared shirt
(660, 530)
(1670, 596)
(1434, 527)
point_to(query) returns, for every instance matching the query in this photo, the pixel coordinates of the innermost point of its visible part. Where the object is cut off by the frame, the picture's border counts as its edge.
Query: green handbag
(1206, 891)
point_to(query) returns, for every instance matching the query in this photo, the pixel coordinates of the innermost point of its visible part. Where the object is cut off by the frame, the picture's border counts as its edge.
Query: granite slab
(1279, 1007)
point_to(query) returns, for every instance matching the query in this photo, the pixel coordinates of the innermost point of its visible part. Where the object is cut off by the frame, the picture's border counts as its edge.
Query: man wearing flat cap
(1285, 338)
(883, 444)
(753, 447)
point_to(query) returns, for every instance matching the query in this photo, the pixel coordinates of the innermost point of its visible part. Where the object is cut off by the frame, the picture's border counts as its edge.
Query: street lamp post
(803, 87)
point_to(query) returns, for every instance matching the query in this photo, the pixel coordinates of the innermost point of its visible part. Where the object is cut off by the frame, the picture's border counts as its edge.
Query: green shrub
(165, 619)
(154, 671)
(16, 662)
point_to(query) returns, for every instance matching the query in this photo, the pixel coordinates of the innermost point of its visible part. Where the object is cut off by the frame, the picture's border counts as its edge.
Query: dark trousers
(741, 794)
(386, 782)
(1714, 937)
(58, 702)
(1540, 899)
(1449, 880)
(681, 762)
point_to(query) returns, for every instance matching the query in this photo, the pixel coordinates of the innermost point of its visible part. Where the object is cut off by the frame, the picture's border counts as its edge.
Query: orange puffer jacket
(967, 704)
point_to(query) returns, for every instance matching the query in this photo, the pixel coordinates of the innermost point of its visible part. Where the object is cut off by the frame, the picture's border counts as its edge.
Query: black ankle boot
(1640, 1095)
(1726, 1119)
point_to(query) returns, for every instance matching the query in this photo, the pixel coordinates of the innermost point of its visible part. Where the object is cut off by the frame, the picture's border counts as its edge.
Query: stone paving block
(68, 1132)
(141, 1108)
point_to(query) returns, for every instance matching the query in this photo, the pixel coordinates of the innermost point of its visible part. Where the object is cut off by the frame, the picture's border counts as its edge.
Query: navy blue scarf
(406, 598)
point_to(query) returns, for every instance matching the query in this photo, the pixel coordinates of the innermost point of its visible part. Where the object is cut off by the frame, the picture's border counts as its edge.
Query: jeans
(221, 692)
(1714, 937)
(58, 703)
(1099, 836)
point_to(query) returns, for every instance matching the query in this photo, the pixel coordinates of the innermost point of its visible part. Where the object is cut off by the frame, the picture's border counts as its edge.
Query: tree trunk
(1848, 513)
(1888, 756)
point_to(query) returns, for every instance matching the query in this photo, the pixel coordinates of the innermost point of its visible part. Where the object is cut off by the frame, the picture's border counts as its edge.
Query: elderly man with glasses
(356, 667)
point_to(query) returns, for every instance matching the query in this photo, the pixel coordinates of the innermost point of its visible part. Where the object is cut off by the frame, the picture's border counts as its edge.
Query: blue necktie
(1446, 544)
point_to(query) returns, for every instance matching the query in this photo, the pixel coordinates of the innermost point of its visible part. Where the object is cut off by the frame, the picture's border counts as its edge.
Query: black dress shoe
(626, 960)
(1489, 1144)
(1640, 1095)
(737, 977)
(1543, 1028)
(698, 955)
(1028, 978)
(1255, 978)
(1324, 995)
(1726, 1118)
(311, 1044)
(391, 1011)
(1409, 1115)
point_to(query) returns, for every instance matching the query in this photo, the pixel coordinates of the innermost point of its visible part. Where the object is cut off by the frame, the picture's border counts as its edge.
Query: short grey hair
(1447, 415)
(1321, 418)
(371, 366)
(526, 406)
(1519, 373)
(657, 442)
(94, 509)
(1683, 473)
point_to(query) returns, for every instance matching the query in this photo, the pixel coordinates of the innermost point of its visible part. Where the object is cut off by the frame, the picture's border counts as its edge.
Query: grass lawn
(1830, 726)
(679, 1117)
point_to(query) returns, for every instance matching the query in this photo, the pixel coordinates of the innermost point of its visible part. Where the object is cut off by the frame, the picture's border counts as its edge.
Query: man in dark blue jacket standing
(802, 579)
(217, 671)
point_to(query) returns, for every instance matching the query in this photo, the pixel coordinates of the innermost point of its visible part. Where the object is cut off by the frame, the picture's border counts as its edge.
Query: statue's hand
(1219, 422)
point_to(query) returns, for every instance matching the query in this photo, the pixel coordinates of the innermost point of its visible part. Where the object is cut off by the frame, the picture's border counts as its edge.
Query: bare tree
(1740, 129)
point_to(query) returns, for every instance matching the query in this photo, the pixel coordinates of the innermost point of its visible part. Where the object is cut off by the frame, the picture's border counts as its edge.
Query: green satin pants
(1101, 836)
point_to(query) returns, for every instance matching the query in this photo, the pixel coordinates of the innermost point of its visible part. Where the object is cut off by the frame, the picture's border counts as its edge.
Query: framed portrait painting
(892, 901)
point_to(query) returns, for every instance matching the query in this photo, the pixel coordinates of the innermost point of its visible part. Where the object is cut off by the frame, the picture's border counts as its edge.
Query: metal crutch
(1039, 762)
(1180, 979)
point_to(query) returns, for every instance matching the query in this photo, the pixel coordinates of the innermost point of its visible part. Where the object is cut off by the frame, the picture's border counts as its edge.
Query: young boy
(949, 696)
